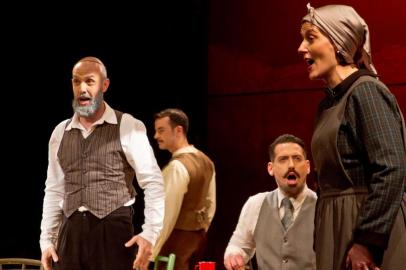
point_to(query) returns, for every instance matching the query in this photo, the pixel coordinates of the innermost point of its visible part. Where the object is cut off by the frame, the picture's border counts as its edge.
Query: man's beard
(89, 110)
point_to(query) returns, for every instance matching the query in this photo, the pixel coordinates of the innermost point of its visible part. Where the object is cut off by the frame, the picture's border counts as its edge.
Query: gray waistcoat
(280, 249)
(97, 174)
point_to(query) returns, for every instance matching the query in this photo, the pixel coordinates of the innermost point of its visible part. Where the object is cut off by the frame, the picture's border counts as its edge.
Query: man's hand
(48, 256)
(143, 254)
(360, 258)
(234, 262)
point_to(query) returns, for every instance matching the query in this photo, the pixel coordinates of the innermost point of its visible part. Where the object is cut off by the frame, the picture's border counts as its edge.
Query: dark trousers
(89, 243)
(188, 246)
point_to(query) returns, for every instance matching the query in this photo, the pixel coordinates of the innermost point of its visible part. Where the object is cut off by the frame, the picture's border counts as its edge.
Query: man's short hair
(285, 138)
(96, 60)
(176, 118)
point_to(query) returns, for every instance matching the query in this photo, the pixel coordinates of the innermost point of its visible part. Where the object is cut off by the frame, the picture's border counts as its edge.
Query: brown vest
(193, 213)
(97, 174)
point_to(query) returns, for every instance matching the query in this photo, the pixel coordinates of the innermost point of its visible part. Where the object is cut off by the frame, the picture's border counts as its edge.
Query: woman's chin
(313, 76)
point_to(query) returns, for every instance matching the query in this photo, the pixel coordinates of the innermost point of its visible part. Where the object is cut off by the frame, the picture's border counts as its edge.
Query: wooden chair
(22, 263)
(170, 261)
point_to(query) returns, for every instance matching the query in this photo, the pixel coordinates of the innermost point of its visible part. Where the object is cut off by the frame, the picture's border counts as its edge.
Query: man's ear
(179, 130)
(106, 84)
(270, 168)
(308, 166)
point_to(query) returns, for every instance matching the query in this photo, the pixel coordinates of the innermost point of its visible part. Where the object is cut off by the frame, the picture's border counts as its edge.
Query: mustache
(292, 170)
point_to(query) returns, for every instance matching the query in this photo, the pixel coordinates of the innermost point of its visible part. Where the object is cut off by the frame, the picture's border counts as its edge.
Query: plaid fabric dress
(359, 154)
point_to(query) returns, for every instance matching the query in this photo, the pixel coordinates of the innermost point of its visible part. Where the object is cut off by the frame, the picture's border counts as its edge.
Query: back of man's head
(176, 118)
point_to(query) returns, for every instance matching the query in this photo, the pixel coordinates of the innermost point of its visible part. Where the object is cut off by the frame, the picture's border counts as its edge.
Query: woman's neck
(339, 74)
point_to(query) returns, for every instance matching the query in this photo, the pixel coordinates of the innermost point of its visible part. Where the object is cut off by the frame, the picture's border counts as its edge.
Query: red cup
(205, 266)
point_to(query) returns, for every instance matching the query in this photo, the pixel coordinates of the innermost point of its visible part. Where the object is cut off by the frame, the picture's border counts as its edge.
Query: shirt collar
(296, 202)
(342, 87)
(108, 116)
(186, 149)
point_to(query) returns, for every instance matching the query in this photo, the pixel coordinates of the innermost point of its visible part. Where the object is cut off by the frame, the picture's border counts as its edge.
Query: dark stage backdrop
(258, 89)
(253, 87)
(156, 57)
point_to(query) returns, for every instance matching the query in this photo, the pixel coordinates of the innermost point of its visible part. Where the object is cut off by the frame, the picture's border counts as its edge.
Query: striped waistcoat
(97, 174)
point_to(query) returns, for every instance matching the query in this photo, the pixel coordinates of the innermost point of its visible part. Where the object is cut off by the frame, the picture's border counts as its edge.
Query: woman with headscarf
(358, 147)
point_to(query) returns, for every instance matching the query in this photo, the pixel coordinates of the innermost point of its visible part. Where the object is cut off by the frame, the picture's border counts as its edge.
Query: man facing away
(190, 189)
(93, 158)
(278, 225)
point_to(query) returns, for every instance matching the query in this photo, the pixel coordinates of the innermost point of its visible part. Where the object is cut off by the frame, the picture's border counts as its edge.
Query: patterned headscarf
(347, 30)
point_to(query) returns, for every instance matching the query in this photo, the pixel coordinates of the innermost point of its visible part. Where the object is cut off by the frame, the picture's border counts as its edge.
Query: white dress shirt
(140, 156)
(242, 240)
(176, 178)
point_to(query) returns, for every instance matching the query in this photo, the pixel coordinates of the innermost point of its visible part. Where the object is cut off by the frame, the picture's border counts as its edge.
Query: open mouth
(292, 179)
(309, 61)
(84, 100)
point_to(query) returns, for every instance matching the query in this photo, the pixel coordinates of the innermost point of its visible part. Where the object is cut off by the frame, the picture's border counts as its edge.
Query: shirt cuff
(151, 237)
(371, 239)
(44, 244)
(234, 250)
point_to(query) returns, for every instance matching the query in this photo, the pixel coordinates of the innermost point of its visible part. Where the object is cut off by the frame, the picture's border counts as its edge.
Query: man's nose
(83, 88)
